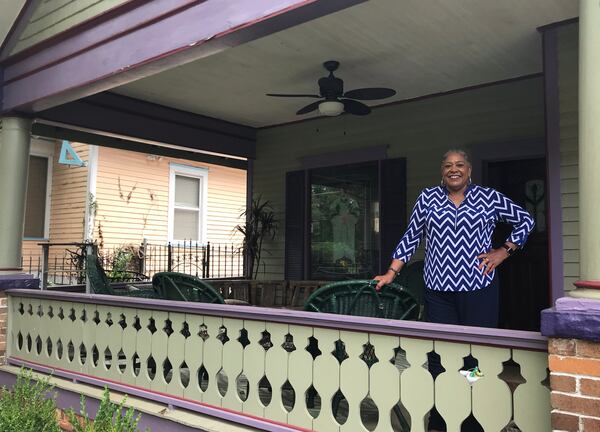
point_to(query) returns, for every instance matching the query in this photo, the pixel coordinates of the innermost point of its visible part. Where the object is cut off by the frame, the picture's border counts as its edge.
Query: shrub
(109, 418)
(29, 406)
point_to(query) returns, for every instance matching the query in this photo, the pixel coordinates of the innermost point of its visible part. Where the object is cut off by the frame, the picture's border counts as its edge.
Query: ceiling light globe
(331, 108)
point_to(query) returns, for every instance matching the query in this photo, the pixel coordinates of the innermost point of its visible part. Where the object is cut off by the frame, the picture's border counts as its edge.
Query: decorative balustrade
(278, 369)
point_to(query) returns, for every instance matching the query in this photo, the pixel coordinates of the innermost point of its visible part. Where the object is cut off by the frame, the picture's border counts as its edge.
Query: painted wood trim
(129, 117)
(323, 160)
(22, 20)
(60, 131)
(412, 329)
(554, 210)
(90, 62)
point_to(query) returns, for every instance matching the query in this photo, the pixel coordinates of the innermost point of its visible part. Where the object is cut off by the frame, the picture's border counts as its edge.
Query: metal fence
(64, 263)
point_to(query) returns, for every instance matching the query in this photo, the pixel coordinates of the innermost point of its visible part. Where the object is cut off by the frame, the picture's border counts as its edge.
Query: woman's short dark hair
(461, 152)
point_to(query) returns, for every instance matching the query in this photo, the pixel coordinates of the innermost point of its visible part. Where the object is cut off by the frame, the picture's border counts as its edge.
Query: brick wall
(3, 320)
(575, 381)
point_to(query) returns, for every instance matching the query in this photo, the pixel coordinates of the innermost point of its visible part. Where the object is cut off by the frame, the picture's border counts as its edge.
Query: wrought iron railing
(63, 263)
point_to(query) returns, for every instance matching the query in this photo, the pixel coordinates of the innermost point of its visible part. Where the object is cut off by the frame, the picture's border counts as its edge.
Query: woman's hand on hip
(492, 259)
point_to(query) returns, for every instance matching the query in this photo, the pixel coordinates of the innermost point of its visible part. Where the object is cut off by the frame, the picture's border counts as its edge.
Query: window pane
(185, 225)
(187, 191)
(344, 224)
(35, 210)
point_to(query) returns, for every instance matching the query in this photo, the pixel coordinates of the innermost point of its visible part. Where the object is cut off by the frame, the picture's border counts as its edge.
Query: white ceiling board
(417, 47)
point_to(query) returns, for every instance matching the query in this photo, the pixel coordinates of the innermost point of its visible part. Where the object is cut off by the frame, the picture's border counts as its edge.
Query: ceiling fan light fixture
(331, 108)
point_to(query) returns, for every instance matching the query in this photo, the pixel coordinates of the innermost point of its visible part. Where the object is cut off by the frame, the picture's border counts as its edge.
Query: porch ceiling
(416, 47)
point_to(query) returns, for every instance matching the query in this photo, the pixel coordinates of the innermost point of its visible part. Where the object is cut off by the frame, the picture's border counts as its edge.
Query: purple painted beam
(414, 329)
(141, 41)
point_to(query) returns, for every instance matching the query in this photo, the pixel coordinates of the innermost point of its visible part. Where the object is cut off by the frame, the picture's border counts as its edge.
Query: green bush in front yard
(109, 418)
(29, 406)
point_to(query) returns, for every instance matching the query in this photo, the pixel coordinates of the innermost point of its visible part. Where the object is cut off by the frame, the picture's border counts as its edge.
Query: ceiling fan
(334, 100)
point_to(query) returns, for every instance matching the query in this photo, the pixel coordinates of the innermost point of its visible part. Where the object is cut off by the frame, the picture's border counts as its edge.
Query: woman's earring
(442, 182)
(470, 181)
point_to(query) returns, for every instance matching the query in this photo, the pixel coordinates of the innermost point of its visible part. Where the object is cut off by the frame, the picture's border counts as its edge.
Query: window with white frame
(187, 203)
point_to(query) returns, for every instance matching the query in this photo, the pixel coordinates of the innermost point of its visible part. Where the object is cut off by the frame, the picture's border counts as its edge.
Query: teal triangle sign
(68, 156)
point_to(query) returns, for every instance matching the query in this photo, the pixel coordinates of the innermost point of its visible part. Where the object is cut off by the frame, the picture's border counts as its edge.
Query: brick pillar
(575, 382)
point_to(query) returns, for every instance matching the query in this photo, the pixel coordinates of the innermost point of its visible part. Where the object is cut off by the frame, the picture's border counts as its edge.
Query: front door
(524, 279)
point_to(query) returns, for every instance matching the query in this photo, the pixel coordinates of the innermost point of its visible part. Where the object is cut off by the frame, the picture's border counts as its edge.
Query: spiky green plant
(260, 224)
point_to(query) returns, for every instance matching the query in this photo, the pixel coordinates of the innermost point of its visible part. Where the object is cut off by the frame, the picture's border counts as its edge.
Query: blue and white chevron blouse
(455, 236)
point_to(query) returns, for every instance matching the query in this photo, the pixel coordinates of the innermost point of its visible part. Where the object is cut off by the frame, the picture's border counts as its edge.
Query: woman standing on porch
(457, 219)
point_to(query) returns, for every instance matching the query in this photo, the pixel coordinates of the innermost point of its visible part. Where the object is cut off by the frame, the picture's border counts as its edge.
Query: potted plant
(260, 224)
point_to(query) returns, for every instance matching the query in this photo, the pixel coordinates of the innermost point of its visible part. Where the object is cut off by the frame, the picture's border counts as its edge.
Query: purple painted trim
(503, 151)
(249, 199)
(553, 202)
(572, 304)
(414, 329)
(66, 399)
(554, 25)
(199, 407)
(574, 324)
(107, 55)
(18, 281)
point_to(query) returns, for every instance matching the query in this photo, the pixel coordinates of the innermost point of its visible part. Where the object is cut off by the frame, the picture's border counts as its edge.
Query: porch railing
(278, 369)
(59, 263)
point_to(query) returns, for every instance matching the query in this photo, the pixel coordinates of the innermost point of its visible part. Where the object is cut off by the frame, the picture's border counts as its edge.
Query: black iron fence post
(206, 264)
(169, 257)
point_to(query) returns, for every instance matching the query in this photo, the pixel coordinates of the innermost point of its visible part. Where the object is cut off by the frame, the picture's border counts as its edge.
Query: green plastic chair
(100, 283)
(184, 287)
(360, 298)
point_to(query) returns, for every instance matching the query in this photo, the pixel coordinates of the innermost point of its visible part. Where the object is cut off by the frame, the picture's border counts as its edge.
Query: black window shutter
(295, 224)
(392, 207)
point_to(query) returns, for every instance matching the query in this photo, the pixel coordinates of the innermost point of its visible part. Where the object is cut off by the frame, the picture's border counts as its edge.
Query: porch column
(14, 163)
(589, 150)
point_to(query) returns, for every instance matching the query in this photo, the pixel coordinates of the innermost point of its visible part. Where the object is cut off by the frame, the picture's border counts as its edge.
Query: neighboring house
(125, 198)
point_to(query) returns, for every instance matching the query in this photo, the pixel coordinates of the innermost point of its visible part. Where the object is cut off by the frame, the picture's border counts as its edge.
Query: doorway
(524, 281)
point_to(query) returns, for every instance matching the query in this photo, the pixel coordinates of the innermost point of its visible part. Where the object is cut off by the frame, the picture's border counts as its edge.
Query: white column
(589, 148)
(14, 164)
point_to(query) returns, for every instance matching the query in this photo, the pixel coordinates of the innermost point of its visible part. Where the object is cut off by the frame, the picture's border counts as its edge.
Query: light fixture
(331, 108)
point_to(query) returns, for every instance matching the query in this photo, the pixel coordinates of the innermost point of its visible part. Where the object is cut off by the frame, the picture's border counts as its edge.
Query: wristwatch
(509, 250)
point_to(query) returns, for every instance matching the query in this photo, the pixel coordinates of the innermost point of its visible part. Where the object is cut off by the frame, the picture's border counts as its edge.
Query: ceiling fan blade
(355, 107)
(308, 108)
(372, 93)
(293, 95)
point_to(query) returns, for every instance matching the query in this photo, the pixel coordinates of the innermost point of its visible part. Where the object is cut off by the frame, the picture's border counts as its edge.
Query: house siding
(55, 16)
(421, 131)
(568, 87)
(132, 192)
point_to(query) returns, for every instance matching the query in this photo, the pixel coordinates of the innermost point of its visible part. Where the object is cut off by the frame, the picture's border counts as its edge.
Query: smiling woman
(458, 219)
